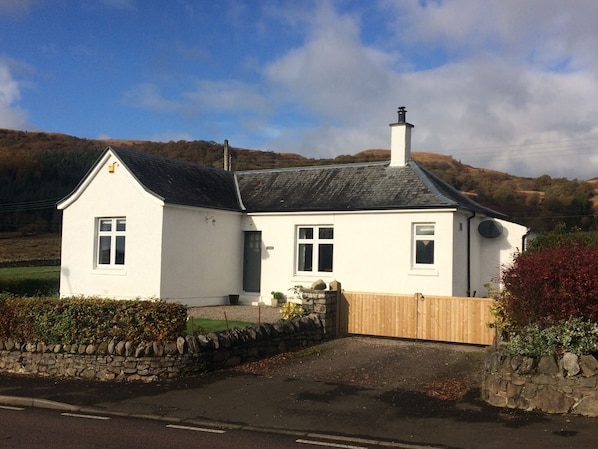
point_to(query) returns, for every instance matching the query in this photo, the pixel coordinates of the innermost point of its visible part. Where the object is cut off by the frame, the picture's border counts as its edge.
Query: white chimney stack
(400, 140)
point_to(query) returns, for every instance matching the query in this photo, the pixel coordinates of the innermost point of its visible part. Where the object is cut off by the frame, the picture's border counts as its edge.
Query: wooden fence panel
(378, 314)
(438, 318)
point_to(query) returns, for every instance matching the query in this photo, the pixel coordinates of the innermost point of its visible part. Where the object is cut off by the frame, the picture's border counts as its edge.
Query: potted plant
(276, 298)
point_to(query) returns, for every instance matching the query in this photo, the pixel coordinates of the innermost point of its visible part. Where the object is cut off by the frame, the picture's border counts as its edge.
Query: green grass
(18, 273)
(207, 325)
(30, 281)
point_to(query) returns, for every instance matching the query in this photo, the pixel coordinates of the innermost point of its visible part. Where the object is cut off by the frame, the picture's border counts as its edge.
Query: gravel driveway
(249, 314)
(442, 370)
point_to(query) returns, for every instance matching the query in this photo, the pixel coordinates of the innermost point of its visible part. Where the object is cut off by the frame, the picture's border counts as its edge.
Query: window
(111, 241)
(424, 244)
(315, 248)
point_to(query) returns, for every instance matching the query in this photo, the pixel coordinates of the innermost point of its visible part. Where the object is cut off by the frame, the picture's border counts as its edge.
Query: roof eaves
(424, 175)
(467, 204)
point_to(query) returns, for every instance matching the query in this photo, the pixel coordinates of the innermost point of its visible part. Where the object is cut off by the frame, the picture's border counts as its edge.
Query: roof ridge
(314, 167)
(166, 159)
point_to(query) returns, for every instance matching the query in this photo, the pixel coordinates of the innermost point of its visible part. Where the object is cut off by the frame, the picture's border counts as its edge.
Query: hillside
(37, 169)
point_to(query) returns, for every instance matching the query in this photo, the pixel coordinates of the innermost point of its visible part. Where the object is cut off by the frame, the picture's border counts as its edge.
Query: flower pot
(233, 299)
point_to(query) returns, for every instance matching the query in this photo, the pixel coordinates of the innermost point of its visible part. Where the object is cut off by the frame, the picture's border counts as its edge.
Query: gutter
(469, 253)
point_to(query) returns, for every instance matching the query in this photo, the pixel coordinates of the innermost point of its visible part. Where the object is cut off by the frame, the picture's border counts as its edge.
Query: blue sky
(509, 85)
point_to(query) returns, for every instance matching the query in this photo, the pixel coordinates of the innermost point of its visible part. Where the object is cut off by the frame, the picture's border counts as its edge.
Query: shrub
(561, 237)
(551, 284)
(575, 335)
(87, 320)
(291, 310)
(30, 287)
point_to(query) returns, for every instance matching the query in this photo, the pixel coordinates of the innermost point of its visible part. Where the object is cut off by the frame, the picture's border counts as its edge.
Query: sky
(507, 85)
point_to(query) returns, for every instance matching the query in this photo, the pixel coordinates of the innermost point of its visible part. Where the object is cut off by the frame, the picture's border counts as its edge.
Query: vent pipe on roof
(226, 156)
(400, 140)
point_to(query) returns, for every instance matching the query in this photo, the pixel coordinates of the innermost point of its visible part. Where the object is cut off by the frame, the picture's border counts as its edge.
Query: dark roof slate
(350, 187)
(332, 188)
(179, 182)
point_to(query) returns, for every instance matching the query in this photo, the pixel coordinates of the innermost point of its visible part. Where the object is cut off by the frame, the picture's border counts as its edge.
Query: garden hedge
(89, 320)
(550, 285)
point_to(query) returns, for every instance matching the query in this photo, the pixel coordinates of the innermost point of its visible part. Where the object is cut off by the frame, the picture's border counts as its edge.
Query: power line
(528, 150)
(29, 205)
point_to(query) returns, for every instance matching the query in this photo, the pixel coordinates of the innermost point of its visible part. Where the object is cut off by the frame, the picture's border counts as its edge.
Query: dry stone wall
(565, 384)
(152, 361)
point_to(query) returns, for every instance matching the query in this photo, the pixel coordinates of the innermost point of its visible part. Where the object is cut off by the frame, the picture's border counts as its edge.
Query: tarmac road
(282, 402)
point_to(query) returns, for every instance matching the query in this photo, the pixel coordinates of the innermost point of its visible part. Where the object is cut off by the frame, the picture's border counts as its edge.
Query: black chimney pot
(402, 112)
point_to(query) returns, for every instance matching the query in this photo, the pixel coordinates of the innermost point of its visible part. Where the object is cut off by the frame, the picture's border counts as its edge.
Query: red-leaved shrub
(552, 284)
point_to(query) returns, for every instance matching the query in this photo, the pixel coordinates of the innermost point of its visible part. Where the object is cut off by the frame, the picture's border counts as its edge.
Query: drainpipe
(524, 239)
(469, 254)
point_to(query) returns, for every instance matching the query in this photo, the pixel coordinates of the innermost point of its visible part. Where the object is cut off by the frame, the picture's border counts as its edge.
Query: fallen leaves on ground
(449, 389)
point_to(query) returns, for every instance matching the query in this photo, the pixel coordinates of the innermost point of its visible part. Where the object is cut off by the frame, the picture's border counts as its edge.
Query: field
(20, 273)
(14, 247)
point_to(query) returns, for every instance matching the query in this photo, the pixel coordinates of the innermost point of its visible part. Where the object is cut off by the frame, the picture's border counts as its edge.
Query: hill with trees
(37, 169)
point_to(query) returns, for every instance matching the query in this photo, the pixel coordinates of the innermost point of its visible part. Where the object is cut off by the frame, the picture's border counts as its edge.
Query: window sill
(310, 276)
(110, 271)
(423, 272)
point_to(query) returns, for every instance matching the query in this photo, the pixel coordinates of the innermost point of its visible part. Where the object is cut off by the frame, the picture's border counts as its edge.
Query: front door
(252, 261)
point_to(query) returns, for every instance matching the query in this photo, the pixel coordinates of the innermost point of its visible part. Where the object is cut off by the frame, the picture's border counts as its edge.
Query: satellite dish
(490, 229)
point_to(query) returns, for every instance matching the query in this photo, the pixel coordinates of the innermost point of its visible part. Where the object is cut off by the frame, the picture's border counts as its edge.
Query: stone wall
(566, 384)
(147, 362)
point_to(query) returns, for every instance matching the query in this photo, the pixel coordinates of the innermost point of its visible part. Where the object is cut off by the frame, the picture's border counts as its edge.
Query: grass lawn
(207, 325)
(30, 281)
(17, 273)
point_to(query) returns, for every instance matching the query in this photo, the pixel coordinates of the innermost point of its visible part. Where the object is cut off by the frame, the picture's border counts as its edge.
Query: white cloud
(16, 7)
(148, 96)
(505, 84)
(11, 115)
(333, 75)
(516, 98)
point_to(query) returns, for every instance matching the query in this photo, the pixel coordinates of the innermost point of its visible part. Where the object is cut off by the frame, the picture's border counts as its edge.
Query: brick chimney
(400, 140)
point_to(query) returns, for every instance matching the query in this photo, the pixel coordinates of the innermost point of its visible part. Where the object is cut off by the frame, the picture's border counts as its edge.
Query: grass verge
(205, 325)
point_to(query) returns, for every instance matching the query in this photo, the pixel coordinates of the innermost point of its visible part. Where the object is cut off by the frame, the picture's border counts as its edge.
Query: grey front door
(252, 261)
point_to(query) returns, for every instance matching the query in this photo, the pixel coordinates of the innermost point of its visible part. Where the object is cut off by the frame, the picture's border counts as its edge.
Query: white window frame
(315, 242)
(111, 230)
(421, 233)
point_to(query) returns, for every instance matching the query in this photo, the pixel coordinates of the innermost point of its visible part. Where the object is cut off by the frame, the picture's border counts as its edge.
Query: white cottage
(140, 226)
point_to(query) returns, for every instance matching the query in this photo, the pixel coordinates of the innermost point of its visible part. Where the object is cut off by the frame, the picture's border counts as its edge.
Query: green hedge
(574, 335)
(30, 287)
(89, 320)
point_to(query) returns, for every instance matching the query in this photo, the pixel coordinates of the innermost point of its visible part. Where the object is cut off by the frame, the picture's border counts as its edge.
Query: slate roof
(179, 182)
(332, 188)
(350, 187)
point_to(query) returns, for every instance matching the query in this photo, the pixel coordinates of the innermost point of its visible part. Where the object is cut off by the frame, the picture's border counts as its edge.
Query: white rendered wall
(372, 251)
(201, 255)
(114, 194)
(494, 253)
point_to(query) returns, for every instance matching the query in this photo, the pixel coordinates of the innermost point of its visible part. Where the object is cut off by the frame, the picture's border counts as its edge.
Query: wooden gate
(438, 318)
